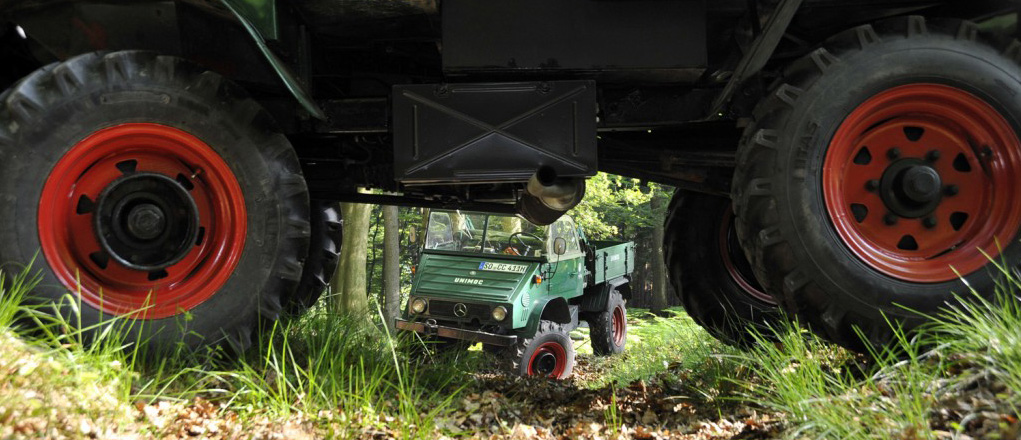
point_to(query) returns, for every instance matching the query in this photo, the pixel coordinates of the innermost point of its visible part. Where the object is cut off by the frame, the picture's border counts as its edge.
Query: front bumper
(432, 329)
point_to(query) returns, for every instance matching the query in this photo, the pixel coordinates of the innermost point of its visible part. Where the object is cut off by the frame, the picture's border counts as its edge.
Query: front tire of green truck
(157, 192)
(549, 353)
(608, 329)
(710, 273)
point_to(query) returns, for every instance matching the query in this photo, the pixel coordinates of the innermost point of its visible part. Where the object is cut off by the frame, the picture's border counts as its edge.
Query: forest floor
(325, 377)
(669, 384)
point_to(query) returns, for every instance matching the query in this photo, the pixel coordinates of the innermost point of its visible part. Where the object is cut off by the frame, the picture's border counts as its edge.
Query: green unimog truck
(519, 289)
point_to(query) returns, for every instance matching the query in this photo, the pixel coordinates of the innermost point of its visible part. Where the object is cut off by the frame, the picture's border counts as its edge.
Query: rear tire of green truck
(549, 353)
(608, 329)
(153, 190)
(710, 273)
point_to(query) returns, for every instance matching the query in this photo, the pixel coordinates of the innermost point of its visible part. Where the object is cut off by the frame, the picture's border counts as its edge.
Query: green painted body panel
(568, 277)
(441, 276)
(258, 17)
(438, 274)
(613, 260)
(262, 14)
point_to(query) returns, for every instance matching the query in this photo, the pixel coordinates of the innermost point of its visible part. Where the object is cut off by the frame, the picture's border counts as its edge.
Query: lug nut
(929, 222)
(932, 156)
(893, 153)
(872, 185)
(890, 219)
(951, 190)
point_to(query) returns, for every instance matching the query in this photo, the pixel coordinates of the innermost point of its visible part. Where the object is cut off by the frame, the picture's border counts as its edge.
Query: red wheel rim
(921, 182)
(736, 263)
(67, 224)
(619, 326)
(557, 351)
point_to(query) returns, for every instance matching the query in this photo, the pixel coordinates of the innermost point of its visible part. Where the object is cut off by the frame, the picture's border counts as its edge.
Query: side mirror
(412, 235)
(559, 246)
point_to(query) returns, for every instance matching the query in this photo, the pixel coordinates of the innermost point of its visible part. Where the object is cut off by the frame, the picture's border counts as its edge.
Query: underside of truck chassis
(666, 86)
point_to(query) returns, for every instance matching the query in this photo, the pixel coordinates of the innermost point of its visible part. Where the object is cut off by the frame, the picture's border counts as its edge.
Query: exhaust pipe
(548, 197)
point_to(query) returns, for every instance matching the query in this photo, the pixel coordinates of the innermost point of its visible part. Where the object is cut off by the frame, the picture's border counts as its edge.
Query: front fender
(247, 13)
(553, 309)
(225, 36)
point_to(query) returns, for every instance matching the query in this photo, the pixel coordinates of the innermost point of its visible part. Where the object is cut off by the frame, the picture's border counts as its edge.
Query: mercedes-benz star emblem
(460, 310)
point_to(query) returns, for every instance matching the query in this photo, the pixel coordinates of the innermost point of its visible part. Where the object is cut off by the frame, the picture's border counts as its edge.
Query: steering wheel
(515, 250)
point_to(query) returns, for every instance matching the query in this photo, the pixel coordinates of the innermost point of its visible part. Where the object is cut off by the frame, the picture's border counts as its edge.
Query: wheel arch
(597, 297)
(555, 310)
(795, 18)
(228, 37)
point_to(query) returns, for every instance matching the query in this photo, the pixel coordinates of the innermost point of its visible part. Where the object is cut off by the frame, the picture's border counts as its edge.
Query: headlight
(499, 313)
(418, 305)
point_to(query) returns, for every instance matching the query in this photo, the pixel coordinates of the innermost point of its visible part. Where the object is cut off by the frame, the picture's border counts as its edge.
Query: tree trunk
(391, 266)
(426, 212)
(659, 290)
(350, 296)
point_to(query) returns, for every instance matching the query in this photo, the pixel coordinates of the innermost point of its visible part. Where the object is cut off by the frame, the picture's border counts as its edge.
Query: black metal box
(493, 132)
(574, 35)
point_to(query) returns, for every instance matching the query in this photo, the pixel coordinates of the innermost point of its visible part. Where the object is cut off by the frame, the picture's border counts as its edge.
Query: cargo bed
(612, 260)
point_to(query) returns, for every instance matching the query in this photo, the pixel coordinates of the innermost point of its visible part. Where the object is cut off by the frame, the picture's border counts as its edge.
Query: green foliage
(13, 289)
(657, 344)
(985, 334)
(409, 220)
(619, 208)
(306, 365)
(959, 373)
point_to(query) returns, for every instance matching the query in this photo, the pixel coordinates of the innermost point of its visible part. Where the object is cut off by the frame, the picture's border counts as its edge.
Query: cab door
(568, 270)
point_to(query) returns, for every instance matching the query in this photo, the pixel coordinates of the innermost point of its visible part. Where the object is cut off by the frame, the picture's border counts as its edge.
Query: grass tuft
(960, 374)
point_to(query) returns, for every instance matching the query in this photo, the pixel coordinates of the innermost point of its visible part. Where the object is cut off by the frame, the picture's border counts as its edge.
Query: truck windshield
(484, 233)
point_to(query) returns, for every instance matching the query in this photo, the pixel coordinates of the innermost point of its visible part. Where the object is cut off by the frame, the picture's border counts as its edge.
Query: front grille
(446, 309)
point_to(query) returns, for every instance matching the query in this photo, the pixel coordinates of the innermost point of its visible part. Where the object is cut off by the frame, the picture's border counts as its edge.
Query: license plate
(503, 267)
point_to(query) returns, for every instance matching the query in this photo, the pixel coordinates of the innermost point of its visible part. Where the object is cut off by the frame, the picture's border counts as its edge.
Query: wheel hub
(146, 221)
(911, 188)
(921, 182)
(545, 364)
(142, 219)
(619, 326)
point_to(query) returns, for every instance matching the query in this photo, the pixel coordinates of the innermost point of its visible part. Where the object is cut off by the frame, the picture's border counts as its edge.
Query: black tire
(608, 329)
(525, 357)
(494, 350)
(710, 273)
(323, 256)
(784, 221)
(64, 108)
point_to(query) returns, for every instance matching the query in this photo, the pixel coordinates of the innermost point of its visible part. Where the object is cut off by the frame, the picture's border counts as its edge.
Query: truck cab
(502, 281)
